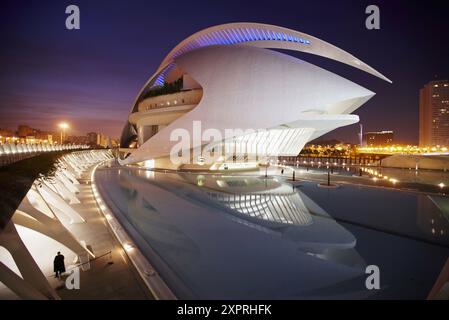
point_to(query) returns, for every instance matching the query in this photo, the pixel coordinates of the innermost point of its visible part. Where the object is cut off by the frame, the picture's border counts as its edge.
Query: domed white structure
(224, 82)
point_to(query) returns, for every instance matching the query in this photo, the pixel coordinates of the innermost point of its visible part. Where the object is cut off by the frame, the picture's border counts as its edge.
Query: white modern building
(222, 98)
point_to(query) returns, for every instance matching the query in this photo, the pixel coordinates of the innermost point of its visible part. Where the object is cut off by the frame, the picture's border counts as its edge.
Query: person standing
(58, 265)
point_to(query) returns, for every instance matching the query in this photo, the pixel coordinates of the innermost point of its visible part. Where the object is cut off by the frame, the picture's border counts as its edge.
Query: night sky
(91, 76)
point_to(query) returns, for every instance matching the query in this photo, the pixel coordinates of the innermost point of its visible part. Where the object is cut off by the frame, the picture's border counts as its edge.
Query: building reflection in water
(218, 236)
(285, 208)
(171, 217)
(274, 205)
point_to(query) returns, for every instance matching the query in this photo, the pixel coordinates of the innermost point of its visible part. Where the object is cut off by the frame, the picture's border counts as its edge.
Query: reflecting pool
(249, 237)
(422, 177)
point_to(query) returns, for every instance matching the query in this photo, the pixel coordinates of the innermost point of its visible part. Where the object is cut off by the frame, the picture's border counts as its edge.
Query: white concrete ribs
(47, 210)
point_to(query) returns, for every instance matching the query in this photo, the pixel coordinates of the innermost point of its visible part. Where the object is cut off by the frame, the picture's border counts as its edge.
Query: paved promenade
(109, 276)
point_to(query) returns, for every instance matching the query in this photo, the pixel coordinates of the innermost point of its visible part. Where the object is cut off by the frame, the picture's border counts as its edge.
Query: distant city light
(441, 185)
(64, 125)
(402, 149)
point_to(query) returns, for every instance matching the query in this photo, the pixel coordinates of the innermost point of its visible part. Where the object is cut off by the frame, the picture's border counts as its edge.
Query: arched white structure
(43, 211)
(236, 83)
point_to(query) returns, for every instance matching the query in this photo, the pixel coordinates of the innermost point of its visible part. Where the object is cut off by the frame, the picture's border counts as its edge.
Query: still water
(247, 237)
(423, 177)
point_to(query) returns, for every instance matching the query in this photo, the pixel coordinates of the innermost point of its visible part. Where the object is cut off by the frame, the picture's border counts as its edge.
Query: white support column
(54, 200)
(20, 287)
(69, 184)
(51, 228)
(28, 268)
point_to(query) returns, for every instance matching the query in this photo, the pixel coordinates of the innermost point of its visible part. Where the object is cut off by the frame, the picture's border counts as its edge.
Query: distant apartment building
(103, 140)
(6, 133)
(98, 139)
(434, 114)
(378, 138)
(92, 138)
(78, 139)
(27, 134)
(44, 136)
(24, 131)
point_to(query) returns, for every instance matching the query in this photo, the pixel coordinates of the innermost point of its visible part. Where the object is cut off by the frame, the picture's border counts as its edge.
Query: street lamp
(64, 126)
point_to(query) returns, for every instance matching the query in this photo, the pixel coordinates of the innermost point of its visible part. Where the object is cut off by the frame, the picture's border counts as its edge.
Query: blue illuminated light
(228, 37)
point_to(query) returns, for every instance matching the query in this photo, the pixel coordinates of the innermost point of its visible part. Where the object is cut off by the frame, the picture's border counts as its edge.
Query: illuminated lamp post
(63, 126)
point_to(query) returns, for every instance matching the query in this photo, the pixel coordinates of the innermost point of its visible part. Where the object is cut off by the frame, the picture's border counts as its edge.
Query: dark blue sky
(90, 77)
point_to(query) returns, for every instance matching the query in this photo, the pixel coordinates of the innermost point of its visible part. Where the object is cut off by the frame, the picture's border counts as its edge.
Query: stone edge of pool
(146, 271)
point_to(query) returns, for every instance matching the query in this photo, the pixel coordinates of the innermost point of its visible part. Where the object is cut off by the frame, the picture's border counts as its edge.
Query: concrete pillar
(56, 202)
(28, 268)
(52, 228)
(20, 287)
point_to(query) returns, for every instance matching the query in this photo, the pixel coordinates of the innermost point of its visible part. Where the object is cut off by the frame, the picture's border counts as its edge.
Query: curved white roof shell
(263, 36)
(253, 88)
(246, 86)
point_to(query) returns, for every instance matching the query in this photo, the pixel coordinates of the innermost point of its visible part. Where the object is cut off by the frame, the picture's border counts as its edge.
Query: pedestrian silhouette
(58, 265)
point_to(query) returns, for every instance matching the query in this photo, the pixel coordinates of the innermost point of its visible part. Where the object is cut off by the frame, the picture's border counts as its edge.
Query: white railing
(22, 148)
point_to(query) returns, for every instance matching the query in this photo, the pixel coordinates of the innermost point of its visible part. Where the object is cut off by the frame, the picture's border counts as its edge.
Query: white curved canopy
(265, 36)
(256, 35)
(243, 85)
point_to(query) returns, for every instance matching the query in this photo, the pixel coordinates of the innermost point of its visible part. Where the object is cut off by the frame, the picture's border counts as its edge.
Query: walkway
(109, 276)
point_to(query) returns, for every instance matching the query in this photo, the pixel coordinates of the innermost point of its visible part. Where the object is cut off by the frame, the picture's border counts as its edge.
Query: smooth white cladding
(255, 35)
(253, 88)
(263, 36)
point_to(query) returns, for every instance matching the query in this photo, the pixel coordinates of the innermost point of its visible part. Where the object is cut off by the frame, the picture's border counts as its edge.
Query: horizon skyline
(57, 131)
